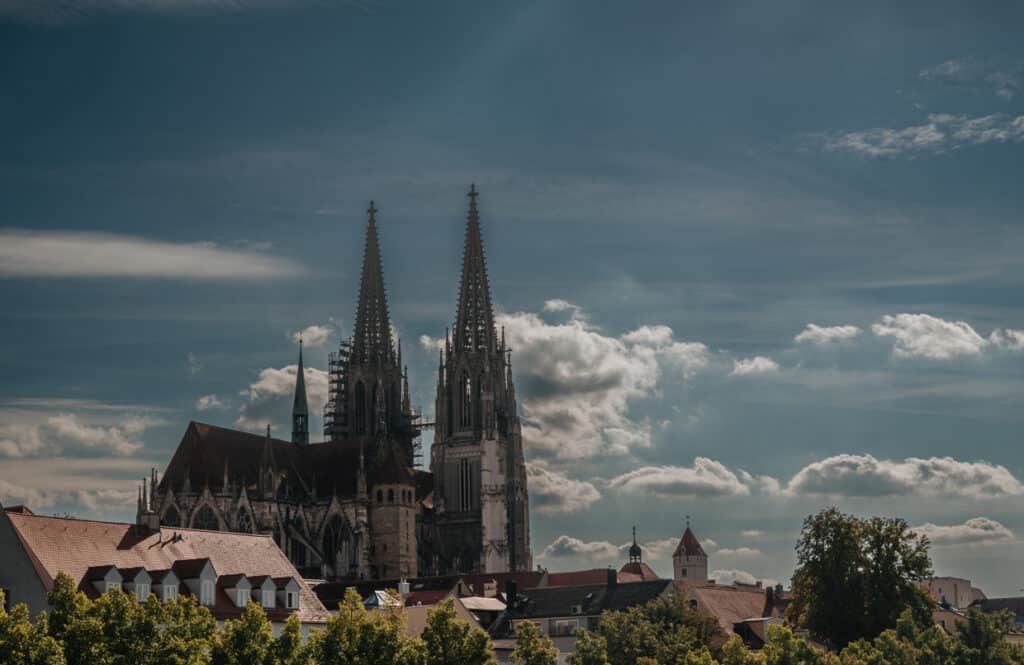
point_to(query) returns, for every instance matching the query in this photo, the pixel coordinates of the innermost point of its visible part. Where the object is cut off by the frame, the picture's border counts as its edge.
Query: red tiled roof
(428, 597)
(74, 546)
(689, 545)
(729, 604)
(637, 572)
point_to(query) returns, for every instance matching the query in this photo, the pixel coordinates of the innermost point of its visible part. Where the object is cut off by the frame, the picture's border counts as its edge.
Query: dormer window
(170, 592)
(206, 593)
(242, 598)
(141, 592)
(287, 592)
(267, 599)
(292, 600)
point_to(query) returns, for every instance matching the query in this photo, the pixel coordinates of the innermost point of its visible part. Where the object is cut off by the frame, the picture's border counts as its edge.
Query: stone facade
(354, 506)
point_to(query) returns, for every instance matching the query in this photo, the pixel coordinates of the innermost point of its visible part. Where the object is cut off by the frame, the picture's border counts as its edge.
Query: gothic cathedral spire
(300, 407)
(474, 319)
(372, 341)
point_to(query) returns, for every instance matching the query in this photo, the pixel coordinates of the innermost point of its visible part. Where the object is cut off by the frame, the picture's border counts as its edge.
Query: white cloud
(732, 576)
(431, 343)
(567, 546)
(553, 493)
(706, 478)
(74, 254)
(752, 533)
(312, 336)
(739, 551)
(96, 486)
(36, 434)
(576, 383)
(1004, 79)
(1012, 340)
(559, 305)
(926, 336)
(942, 132)
(208, 402)
(975, 531)
(755, 365)
(270, 396)
(814, 334)
(864, 475)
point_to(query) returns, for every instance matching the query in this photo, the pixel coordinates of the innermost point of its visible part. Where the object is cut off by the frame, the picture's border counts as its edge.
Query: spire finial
(268, 430)
(372, 211)
(687, 521)
(634, 534)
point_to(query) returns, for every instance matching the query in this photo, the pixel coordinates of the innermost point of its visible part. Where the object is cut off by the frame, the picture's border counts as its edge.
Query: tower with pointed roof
(367, 385)
(477, 455)
(689, 561)
(300, 407)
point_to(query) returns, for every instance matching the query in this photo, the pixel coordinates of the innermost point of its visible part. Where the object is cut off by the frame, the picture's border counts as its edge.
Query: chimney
(613, 578)
(511, 594)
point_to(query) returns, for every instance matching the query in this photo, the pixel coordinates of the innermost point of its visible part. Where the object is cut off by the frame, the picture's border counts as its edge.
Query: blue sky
(755, 258)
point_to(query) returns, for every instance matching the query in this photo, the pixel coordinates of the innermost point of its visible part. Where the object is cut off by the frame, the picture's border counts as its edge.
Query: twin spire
(474, 319)
(372, 341)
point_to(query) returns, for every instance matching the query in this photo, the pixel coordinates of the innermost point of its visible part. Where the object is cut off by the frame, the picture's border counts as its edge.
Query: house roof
(416, 617)
(475, 582)
(426, 597)
(74, 546)
(591, 599)
(689, 545)
(637, 572)
(579, 577)
(1012, 604)
(727, 603)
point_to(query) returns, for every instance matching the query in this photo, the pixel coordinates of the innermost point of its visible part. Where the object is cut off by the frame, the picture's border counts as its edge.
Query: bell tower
(477, 456)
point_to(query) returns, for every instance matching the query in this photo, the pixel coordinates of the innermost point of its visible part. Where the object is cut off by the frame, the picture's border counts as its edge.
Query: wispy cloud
(821, 335)
(973, 532)
(65, 254)
(1002, 78)
(941, 133)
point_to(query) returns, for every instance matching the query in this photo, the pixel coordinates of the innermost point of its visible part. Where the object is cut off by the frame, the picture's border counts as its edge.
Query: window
(206, 592)
(141, 592)
(336, 545)
(391, 496)
(563, 627)
(268, 599)
(205, 518)
(170, 592)
(244, 522)
(291, 600)
(171, 517)
(242, 598)
(467, 400)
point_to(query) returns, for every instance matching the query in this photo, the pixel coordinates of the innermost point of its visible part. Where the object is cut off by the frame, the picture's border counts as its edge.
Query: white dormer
(104, 578)
(200, 578)
(287, 592)
(165, 584)
(237, 588)
(136, 581)
(265, 590)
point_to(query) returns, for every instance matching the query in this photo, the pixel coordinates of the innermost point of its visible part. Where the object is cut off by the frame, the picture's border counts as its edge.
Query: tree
(352, 637)
(785, 648)
(735, 653)
(983, 639)
(665, 629)
(288, 648)
(451, 641)
(855, 577)
(247, 640)
(532, 646)
(26, 642)
(591, 649)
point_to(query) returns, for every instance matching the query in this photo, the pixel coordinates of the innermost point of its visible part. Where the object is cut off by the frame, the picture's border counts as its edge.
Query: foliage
(532, 646)
(288, 649)
(352, 637)
(450, 641)
(248, 640)
(26, 642)
(664, 629)
(855, 577)
(591, 649)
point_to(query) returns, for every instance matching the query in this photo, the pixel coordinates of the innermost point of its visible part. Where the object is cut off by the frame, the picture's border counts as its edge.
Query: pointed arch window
(244, 522)
(467, 400)
(171, 517)
(205, 518)
(337, 545)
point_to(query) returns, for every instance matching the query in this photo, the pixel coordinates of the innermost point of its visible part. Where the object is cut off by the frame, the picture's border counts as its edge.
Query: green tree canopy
(452, 641)
(854, 577)
(532, 646)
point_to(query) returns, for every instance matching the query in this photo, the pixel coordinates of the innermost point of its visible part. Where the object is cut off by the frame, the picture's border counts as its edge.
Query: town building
(689, 561)
(354, 506)
(223, 571)
(955, 592)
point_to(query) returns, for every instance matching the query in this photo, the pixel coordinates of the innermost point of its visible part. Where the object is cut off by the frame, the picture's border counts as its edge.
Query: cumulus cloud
(38, 435)
(312, 336)
(1012, 340)
(975, 531)
(739, 551)
(576, 383)
(208, 402)
(942, 132)
(755, 365)
(64, 254)
(566, 546)
(926, 336)
(431, 343)
(96, 486)
(752, 533)
(864, 475)
(706, 478)
(734, 576)
(269, 397)
(820, 335)
(553, 493)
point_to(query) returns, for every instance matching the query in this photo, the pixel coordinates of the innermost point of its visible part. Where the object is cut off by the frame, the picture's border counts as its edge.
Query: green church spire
(300, 409)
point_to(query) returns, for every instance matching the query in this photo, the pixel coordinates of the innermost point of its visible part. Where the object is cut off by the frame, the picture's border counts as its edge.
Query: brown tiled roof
(578, 577)
(729, 604)
(689, 545)
(426, 597)
(57, 544)
(637, 572)
(525, 580)
(416, 618)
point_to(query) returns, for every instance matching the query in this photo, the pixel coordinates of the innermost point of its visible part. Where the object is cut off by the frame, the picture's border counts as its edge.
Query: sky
(753, 259)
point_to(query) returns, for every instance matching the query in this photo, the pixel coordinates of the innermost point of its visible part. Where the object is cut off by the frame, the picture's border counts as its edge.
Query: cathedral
(354, 506)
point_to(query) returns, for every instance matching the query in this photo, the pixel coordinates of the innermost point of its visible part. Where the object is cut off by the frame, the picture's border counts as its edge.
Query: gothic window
(465, 484)
(171, 517)
(467, 400)
(391, 496)
(298, 553)
(205, 519)
(360, 408)
(244, 522)
(336, 545)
